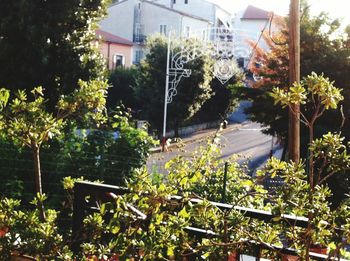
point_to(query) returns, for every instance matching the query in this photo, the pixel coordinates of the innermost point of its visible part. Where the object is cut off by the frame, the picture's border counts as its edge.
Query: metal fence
(104, 193)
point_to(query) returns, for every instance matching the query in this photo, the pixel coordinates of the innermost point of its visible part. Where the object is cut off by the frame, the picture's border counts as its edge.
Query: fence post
(223, 198)
(78, 216)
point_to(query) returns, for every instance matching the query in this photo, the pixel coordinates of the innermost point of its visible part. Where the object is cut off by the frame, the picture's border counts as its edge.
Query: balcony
(139, 38)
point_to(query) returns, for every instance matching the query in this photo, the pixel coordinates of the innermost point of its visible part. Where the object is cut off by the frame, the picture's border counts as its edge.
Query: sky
(335, 8)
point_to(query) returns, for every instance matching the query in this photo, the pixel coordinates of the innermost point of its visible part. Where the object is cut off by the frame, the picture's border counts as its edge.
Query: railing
(139, 38)
(101, 193)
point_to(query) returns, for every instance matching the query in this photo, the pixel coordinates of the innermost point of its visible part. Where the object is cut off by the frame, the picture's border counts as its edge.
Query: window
(118, 60)
(174, 1)
(187, 31)
(163, 29)
(138, 56)
(186, 2)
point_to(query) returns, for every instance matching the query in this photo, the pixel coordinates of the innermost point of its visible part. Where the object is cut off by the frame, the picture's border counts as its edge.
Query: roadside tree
(323, 50)
(123, 83)
(224, 98)
(49, 43)
(192, 92)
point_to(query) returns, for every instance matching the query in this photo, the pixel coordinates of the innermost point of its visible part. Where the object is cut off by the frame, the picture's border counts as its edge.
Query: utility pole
(294, 76)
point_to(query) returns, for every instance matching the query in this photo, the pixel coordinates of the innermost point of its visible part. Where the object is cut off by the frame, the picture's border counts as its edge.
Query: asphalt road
(245, 139)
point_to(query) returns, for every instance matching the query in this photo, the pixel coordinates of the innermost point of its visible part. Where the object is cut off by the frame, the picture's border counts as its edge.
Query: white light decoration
(223, 45)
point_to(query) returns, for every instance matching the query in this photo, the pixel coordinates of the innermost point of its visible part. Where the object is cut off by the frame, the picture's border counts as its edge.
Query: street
(241, 137)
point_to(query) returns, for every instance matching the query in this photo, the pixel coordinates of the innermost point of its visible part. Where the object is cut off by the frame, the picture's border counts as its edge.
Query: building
(250, 23)
(116, 50)
(212, 12)
(134, 20)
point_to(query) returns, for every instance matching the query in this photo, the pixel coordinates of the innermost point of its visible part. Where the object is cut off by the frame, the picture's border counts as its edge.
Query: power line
(257, 42)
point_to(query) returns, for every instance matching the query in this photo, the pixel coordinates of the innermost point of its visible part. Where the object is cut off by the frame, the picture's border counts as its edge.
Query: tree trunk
(38, 185)
(311, 157)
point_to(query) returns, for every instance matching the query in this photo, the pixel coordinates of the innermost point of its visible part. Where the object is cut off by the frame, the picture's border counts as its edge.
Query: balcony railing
(105, 193)
(139, 38)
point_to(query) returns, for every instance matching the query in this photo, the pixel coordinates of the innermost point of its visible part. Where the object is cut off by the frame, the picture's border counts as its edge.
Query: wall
(120, 19)
(199, 8)
(196, 26)
(174, 21)
(124, 50)
(250, 29)
(153, 16)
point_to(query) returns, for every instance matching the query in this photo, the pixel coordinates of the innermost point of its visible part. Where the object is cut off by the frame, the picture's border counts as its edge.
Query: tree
(323, 50)
(224, 98)
(28, 122)
(49, 43)
(327, 156)
(110, 153)
(192, 92)
(123, 81)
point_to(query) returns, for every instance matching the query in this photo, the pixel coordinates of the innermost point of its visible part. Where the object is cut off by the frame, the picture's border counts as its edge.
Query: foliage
(123, 81)
(151, 221)
(28, 123)
(25, 233)
(111, 153)
(300, 197)
(314, 90)
(323, 50)
(192, 92)
(49, 43)
(305, 193)
(224, 98)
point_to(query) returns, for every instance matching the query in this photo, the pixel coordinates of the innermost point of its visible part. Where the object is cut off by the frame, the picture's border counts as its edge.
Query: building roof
(255, 13)
(111, 38)
(177, 11)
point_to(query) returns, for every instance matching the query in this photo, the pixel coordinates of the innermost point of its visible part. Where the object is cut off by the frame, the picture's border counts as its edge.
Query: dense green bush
(110, 154)
(148, 223)
(123, 82)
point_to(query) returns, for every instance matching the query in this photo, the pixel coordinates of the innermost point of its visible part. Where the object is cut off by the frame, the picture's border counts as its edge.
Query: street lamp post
(166, 94)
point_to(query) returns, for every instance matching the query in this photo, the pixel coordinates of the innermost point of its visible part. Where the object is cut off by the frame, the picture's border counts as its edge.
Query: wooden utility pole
(294, 76)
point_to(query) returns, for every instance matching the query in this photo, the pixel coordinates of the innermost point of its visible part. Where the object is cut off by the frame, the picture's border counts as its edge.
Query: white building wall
(154, 16)
(196, 27)
(200, 8)
(120, 19)
(248, 30)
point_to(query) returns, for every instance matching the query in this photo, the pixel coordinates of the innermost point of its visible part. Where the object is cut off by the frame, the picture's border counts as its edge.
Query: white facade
(120, 19)
(251, 28)
(201, 8)
(250, 24)
(137, 19)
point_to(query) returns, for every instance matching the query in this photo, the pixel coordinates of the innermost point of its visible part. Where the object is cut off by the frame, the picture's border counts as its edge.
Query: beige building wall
(109, 50)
